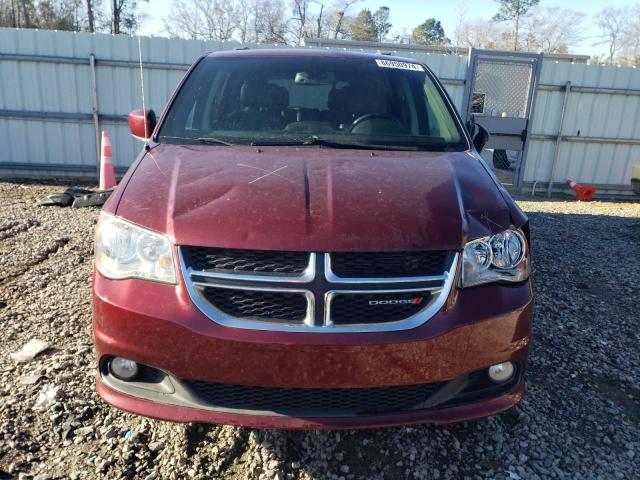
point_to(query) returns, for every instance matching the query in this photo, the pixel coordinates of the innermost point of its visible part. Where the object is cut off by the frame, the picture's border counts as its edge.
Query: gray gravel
(580, 417)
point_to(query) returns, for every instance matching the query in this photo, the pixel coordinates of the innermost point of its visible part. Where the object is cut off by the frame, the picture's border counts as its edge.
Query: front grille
(249, 304)
(390, 264)
(303, 291)
(314, 401)
(354, 308)
(261, 262)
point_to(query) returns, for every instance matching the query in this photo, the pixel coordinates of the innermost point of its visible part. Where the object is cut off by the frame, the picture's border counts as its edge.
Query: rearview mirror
(138, 119)
(480, 137)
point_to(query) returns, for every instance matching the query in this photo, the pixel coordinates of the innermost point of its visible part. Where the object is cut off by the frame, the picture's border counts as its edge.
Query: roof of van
(306, 53)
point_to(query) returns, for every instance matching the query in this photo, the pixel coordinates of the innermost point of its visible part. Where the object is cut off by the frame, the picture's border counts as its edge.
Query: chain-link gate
(499, 96)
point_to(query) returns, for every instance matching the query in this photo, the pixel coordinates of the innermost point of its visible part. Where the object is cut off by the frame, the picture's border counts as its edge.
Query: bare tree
(265, 21)
(612, 23)
(630, 39)
(552, 29)
(480, 33)
(123, 16)
(57, 15)
(67, 15)
(461, 20)
(203, 19)
(310, 19)
(90, 16)
(19, 14)
(341, 7)
(320, 22)
(271, 22)
(300, 10)
(244, 14)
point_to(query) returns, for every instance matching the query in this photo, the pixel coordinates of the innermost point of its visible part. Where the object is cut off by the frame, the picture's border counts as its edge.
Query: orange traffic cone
(584, 193)
(107, 173)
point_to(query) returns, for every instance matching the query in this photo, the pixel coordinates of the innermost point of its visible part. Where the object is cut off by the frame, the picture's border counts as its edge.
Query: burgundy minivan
(309, 239)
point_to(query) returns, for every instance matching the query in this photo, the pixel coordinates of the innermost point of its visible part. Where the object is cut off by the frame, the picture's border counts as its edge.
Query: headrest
(278, 97)
(253, 94)
(256, 94)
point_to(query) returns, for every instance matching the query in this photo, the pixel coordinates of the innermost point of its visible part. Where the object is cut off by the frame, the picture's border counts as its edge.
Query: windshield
(338, 102)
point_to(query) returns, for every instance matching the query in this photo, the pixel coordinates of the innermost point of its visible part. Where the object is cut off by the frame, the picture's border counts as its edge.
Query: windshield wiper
(315, 140)
(275, 143)
(214, 141)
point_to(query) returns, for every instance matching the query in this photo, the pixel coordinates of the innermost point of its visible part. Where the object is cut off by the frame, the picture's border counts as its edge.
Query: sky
(406, 14)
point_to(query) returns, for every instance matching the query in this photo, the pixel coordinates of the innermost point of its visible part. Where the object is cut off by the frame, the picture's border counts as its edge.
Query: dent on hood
(483, 208)
(518, 217)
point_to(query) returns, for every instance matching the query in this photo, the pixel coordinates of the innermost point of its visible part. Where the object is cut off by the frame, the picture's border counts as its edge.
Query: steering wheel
(371, 116)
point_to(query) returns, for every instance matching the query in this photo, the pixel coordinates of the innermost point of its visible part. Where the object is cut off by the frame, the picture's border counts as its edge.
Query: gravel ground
(580, 417)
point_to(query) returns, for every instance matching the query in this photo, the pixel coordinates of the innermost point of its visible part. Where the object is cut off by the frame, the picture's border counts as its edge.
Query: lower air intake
(315, 401)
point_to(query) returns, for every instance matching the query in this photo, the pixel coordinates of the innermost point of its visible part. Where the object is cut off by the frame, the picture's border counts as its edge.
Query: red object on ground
(584, 193)
(107, 173)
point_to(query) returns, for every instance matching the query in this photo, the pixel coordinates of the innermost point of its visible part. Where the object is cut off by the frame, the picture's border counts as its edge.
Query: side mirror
(480, 137)
(137, 121)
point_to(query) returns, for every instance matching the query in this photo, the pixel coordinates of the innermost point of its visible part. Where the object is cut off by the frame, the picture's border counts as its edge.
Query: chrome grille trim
(321, 322)
(226, 320)
(404, 324)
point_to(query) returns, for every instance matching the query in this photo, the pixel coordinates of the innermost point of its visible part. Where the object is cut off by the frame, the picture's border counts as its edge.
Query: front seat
(262, 107)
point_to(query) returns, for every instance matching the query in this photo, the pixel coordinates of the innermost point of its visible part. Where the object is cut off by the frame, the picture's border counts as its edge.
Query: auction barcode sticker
(401, 65)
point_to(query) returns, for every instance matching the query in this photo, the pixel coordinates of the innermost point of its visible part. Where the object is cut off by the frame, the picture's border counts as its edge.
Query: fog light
(501, 372)
(123, 369)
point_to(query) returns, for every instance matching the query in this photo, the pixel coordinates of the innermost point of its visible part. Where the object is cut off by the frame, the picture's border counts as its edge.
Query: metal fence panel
(46, 93)
(600, 138)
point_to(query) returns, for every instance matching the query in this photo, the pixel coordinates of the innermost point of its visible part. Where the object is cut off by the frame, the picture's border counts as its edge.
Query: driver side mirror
(480, 137)
(138, 119)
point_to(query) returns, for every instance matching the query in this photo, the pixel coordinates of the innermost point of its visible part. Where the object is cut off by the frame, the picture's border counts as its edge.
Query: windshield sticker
(401, 65)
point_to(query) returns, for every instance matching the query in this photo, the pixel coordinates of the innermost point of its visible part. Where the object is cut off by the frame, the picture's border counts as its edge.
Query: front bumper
(157, 325)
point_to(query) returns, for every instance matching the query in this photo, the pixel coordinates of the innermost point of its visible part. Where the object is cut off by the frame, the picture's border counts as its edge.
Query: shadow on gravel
(195, 434)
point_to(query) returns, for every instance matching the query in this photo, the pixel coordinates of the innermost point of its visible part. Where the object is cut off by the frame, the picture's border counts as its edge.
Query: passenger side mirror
(480, 137)
(137, 121)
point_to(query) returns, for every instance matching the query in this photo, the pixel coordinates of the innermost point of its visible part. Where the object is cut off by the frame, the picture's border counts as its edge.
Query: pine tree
(514, 10)
(430, 32)
(364, 27)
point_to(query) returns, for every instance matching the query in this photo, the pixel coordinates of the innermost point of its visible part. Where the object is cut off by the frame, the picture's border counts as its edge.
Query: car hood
(312, 198)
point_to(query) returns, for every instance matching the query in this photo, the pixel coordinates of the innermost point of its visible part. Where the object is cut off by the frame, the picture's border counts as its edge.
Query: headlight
(504, 257)
(124, 250)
